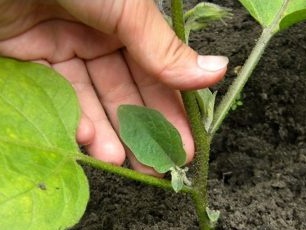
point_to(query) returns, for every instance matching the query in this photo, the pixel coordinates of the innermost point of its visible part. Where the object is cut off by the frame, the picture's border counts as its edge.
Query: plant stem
(236, 87)
(129, 173)
(201, 138)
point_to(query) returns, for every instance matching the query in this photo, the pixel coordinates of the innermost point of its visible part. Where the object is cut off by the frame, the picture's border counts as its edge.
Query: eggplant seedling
(42, 182)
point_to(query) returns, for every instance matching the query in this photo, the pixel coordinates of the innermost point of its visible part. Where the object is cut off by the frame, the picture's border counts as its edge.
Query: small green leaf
(213, 216)
(176, 180)
(206, 100)
(206, 12)
(238, 102)
(179, 178)
(202, 14)
(280, 14)
(41, 185)
(154, 141)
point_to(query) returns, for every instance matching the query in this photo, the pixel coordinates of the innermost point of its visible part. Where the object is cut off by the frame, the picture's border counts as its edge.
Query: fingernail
(212, 63)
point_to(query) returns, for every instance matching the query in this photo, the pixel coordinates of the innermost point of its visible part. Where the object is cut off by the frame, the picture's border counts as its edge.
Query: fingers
(94, 129)
(115, 86)
(150, 41)
(113, 82)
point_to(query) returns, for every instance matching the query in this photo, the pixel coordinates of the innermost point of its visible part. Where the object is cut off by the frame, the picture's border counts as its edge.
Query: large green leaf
(41, 185)
(153, 140)
(277, 13)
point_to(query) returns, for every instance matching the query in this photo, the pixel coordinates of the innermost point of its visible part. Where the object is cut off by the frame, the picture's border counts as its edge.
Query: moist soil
(258, 164)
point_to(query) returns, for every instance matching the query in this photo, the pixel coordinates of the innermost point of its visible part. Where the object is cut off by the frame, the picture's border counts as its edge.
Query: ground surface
(258, 165)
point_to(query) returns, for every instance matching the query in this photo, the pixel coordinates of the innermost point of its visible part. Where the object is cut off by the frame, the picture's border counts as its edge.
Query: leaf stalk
(243, 76)
(129, 173)
(247, 69)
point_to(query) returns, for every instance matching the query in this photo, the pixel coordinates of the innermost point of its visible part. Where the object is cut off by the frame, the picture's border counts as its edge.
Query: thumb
(150, 41)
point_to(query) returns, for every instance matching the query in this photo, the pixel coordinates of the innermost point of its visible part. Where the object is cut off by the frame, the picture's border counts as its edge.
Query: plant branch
(129, 173)
(201, 138)
(247, 69)
(243, 76)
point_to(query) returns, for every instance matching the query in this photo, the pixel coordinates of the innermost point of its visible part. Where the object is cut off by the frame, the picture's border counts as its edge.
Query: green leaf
(280, 14)
(202, 14)
(154, 141)
(206, 100)
(41, 185)
(213, 216)
(206, 12)
(176, 180)
(179, 178)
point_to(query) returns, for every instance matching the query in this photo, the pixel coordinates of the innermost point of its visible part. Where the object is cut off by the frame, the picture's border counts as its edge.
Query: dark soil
(258, 164)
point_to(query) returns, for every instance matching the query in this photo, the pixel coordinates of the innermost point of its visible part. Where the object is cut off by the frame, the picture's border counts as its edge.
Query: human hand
(112, 52)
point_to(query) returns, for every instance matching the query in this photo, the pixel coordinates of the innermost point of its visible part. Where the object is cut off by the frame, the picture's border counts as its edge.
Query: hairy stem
(243, 76)
(201, 138)
(129, 173)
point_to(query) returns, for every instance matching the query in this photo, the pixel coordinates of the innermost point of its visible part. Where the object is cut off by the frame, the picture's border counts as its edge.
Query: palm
(103, 75)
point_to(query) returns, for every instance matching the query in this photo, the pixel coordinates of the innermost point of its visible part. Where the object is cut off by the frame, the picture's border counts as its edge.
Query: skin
(112, 52)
